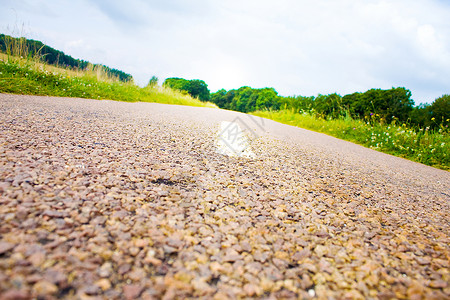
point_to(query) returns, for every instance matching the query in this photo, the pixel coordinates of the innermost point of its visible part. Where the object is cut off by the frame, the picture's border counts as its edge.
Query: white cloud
(298, 47)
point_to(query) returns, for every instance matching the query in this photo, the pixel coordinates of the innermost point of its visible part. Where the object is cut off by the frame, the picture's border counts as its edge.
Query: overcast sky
(299, 47)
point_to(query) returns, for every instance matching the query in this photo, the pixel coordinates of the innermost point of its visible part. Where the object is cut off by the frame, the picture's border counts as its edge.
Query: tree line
(374, 105)
(387, 106)
(31, 48)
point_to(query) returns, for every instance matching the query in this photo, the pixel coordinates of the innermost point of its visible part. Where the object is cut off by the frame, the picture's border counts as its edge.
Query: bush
(196, 88)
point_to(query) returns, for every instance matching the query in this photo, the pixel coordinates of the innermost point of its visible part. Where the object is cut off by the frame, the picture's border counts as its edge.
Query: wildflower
(433, 118)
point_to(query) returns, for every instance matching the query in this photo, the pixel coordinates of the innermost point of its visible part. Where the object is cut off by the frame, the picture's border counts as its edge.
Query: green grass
(430, 147)
(30, 77)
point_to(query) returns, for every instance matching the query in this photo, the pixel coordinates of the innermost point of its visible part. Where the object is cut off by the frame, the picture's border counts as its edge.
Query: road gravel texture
(114, 200)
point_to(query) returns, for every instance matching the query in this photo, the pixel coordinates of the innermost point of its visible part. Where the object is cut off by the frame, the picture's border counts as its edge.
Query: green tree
(177, 83)
(440, 111)
(219, 98)
(354, 105)
(153, 81)
(299, 104)
(393, 104)
(199, 89)
(399, 104)
(328, 106)
(196, 88)
(421, 115)
(247, 99)
(240, 99)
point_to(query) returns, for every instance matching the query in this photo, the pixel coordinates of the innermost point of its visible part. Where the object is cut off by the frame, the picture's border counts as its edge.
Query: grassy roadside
(29, 76)
(430, 147)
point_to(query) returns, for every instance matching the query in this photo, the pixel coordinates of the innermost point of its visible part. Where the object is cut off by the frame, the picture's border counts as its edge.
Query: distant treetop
(196, 88)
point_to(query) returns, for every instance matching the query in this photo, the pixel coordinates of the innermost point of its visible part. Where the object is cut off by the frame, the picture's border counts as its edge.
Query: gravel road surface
(114, 200)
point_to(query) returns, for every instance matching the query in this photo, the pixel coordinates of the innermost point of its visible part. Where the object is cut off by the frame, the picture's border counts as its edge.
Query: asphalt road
(105, 199)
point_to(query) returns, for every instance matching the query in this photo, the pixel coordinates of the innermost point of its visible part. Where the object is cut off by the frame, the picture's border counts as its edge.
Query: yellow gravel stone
(113, 200)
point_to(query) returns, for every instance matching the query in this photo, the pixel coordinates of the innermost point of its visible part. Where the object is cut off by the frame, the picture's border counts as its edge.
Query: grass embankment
(30, 77)
(430, 147)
